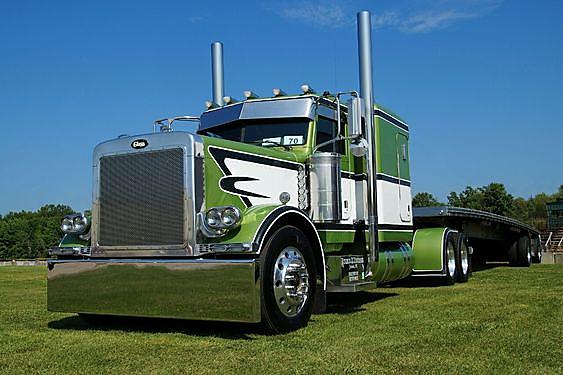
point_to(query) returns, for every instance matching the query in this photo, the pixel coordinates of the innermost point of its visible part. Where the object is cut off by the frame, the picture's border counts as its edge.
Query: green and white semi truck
(269, 206)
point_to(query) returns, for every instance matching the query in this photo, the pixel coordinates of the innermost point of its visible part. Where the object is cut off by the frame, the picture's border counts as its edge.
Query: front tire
(288, 280)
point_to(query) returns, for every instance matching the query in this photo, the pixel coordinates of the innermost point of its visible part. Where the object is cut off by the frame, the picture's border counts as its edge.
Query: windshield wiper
(261, 142)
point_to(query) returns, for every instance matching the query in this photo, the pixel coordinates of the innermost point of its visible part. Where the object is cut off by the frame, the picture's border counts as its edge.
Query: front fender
(74, 240)
(252, 220)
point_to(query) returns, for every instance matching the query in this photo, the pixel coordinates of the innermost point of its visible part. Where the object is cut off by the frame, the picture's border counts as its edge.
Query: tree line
(494, 198)
(28, 235)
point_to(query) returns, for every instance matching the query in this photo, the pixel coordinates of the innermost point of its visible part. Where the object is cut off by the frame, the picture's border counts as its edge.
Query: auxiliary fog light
(75, 223)
(218, 220)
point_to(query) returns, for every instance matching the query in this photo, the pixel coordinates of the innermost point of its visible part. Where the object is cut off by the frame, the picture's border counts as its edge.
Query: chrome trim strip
(206, 289)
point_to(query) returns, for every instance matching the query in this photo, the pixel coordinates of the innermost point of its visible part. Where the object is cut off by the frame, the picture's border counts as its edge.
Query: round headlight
(230, 217)
(219, 220)
(67, 226)
(80, 223)
(213, 218)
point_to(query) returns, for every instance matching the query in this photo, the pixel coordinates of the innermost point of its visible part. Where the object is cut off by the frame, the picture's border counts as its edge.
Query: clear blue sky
(479, 81)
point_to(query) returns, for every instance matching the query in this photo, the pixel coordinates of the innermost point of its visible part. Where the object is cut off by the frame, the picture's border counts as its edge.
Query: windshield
(264, 132)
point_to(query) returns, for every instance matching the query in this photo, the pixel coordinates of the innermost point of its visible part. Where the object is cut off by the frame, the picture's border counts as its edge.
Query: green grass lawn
(507, 320)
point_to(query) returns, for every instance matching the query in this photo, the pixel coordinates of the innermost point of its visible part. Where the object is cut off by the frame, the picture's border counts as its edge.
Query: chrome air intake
(326, 189)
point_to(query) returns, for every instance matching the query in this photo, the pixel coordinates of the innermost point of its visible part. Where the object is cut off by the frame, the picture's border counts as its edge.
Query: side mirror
(359, 146)
(355, 106)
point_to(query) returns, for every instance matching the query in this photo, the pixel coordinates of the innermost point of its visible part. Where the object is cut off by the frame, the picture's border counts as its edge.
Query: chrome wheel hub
(291, 281)
(451, 259)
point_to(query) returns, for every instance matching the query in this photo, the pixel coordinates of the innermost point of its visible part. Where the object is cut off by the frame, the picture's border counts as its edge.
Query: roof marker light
(250, 95)
(279, 92)
(229, 100)
(307, 89)
(209, 104)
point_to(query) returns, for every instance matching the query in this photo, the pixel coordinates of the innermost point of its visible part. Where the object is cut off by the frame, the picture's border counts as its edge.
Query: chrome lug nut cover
(291, 281)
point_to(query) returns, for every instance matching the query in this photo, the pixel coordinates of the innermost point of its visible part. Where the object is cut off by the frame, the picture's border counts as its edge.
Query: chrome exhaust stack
(366, 93)
(217, 72)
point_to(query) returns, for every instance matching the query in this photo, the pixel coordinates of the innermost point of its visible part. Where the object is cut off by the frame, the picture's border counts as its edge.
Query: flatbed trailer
(491, 237)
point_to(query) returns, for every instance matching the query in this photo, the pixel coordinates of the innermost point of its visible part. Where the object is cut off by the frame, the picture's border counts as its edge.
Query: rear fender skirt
(428, 248)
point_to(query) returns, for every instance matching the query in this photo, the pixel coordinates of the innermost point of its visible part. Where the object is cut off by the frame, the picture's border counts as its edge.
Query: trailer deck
(490, 235)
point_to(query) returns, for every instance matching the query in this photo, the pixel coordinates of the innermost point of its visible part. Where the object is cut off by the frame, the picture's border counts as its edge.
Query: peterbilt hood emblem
(139, 143)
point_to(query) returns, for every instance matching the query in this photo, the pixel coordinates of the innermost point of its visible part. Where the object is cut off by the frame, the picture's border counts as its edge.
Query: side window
(327, 130)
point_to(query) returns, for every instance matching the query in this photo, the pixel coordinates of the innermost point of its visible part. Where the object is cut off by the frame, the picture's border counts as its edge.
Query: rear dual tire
(520, 252)
(449, 255)
(536, 250)
(457, 260)
(463, 259)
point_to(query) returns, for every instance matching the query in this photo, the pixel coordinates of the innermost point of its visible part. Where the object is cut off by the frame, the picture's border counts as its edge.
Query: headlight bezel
(74, 224)
(213, 223)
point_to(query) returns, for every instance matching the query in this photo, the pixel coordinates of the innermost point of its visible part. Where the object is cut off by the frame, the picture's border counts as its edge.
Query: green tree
(425, 199)
(521, 209)
(491, 198)
(31, 234)
(496, 199)
(468, 198)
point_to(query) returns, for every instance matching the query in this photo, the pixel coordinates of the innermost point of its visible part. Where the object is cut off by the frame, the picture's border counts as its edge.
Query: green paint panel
(390, 150)
(336, 236)
(392, 236)
(73, 240)
(427, 247)
(214, 196)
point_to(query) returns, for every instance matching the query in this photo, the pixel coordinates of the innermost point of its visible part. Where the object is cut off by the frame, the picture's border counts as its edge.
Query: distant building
(555, 215)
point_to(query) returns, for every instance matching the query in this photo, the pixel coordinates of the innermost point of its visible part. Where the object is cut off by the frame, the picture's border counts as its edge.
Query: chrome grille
(142, 199)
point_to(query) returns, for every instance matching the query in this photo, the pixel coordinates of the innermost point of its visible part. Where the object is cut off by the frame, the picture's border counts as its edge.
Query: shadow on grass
(228, 330)
(338, 303)
(349, 303)
(483, 266)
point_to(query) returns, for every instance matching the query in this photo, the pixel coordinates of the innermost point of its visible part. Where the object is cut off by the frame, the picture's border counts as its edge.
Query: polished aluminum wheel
(464, 255)
(291, 281)
(450, 249)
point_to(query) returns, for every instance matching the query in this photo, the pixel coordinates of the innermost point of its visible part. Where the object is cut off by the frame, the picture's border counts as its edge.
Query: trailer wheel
(450, 251)
(537, 253)
(524, 251)
(288, 280)
(513, 253)
(463, 260)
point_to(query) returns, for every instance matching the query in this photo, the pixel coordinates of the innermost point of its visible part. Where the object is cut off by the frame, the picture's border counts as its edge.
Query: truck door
(403, 172)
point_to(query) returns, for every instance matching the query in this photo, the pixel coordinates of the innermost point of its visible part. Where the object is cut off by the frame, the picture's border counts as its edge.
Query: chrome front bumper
(205, 289)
